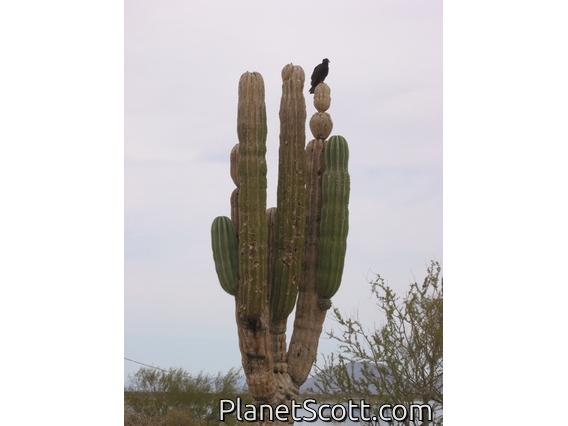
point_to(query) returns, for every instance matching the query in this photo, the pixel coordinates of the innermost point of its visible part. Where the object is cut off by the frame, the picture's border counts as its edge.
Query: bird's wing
(316, 71)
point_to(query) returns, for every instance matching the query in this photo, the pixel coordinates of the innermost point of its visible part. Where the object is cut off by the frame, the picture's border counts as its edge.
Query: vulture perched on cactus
(319, 74)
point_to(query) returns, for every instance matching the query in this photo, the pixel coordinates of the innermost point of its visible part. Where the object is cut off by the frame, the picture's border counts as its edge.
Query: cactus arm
(334, 219)
(309, 318)
(224, 244)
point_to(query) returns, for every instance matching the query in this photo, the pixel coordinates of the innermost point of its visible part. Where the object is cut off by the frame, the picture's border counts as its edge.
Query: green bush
(156, 397)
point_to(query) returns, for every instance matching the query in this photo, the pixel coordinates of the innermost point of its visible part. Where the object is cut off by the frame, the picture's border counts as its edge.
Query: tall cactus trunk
(252, 290)
(271, 260)
(290, 220)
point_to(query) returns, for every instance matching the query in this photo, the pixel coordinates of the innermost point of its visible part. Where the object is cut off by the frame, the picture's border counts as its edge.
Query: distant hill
(310, 386)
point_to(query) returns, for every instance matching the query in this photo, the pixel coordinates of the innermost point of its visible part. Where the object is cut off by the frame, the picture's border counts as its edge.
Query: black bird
(319, 74)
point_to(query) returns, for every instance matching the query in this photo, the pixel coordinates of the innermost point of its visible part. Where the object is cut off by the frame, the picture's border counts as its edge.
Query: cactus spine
(291, 255)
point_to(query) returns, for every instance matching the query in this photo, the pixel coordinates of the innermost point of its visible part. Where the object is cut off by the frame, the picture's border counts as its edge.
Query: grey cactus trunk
(292, 255)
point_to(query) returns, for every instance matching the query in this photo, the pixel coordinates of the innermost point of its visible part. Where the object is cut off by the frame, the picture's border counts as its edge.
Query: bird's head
(326, 61)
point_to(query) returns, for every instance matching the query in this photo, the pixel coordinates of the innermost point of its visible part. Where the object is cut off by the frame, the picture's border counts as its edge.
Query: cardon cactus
(289, 256)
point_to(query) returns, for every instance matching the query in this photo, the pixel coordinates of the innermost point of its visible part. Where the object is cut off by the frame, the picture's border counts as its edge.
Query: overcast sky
(183, 61)
(80, 252)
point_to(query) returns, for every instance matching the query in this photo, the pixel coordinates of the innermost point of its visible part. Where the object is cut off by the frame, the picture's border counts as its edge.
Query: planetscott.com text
(311, 411)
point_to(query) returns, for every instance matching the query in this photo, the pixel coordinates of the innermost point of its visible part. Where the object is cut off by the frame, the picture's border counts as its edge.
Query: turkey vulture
(319, 74)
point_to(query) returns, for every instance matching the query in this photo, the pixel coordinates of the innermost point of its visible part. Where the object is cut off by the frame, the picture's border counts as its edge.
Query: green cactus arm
(334, 219)
(224, 244)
